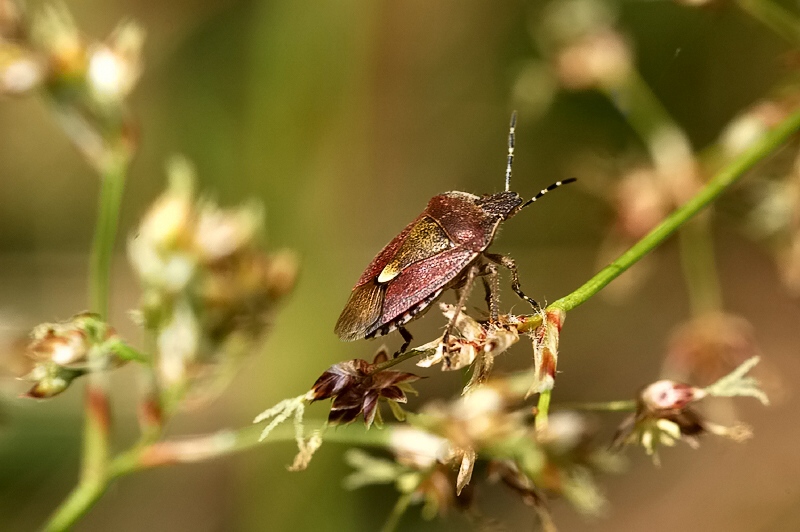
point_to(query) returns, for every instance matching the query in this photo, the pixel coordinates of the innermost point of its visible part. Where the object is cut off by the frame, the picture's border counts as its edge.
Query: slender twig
(607, 406)
(398, 510)
(714, 188)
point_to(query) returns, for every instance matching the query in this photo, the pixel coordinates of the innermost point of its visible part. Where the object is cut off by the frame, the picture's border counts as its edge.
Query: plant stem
(398, 510)
(95, 462)
(715, 187)
(111, 190)
(607, 406)
(699, 270)
(542, 410)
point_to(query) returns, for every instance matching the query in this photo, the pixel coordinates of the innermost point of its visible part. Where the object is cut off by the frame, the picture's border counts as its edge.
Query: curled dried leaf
(356, 387)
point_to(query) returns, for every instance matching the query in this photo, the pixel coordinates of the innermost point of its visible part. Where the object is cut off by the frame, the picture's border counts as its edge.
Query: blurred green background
(344, 118)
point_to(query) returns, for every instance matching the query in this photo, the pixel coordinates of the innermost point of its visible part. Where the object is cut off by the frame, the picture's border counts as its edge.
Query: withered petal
(393, 393)
(345, 415)
(384, 379)
(370, 408)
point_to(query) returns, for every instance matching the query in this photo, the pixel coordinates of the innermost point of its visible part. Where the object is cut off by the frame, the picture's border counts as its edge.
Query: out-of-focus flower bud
(708, 347)
(534, 89)
(587, 52)
(20, 70)
(114, 67)
(55, 34)
(641, 203)
(66, 350)
(565, 21)
(600, 60)
(209, 290)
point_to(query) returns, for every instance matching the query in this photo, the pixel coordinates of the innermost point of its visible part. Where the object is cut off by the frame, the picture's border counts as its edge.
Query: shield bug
(444, 247)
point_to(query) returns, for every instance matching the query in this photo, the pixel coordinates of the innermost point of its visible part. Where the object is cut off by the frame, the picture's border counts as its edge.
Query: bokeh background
(343, 118)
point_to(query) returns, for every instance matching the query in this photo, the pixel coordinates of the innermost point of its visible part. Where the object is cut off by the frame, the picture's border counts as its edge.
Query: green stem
(198, 449)
(399, 509)
(699, 270)
(111, 190)
(716, 186)
(95, 463)
(606, 406)
(543, 409)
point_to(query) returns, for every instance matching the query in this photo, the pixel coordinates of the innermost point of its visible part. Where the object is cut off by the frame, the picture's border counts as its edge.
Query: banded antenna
(510, 160)
(546, 190)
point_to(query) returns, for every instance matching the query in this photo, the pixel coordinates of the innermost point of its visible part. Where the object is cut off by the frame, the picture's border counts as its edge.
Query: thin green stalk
(95, 460)
(606, 406)
(715, 187)
(398, 511)
(111, 191)
(542, 410)
(699, 269)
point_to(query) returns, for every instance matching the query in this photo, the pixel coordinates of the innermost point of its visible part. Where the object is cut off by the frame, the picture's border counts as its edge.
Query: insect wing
(386, 254)
(413, 288)
(361, 311)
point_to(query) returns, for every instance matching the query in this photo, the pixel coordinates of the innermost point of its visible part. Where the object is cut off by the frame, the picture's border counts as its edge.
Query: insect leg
(509, 263)
(490, 286)
(463, 295)
(406, 341)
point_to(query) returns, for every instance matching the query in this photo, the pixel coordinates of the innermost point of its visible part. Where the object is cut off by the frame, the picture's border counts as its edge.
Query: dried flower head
(471, 342)
(475, 421)
(664, 412)
(356, 387)
(545, 351)
(66, 350)
(209, 290)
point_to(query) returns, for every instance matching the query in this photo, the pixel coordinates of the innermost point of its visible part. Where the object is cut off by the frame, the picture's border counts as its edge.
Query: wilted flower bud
(471, 342)
(66, 350)
(357, 387)
(545, 351)
(664, 414)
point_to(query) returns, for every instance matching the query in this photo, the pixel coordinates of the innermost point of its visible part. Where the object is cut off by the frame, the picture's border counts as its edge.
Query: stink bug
(444, 247)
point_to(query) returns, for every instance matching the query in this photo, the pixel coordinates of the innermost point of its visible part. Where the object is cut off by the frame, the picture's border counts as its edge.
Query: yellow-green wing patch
(425, 240)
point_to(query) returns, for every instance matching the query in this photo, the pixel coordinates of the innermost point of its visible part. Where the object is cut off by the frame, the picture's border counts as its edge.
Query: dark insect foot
(447, 362)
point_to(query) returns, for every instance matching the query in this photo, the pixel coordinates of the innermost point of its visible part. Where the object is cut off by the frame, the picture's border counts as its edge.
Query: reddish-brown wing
(386, 254)
(466, 223)
(419, 281)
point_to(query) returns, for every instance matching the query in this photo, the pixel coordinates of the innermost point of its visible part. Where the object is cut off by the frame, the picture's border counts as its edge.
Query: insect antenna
(546, 190)
(510, 159)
